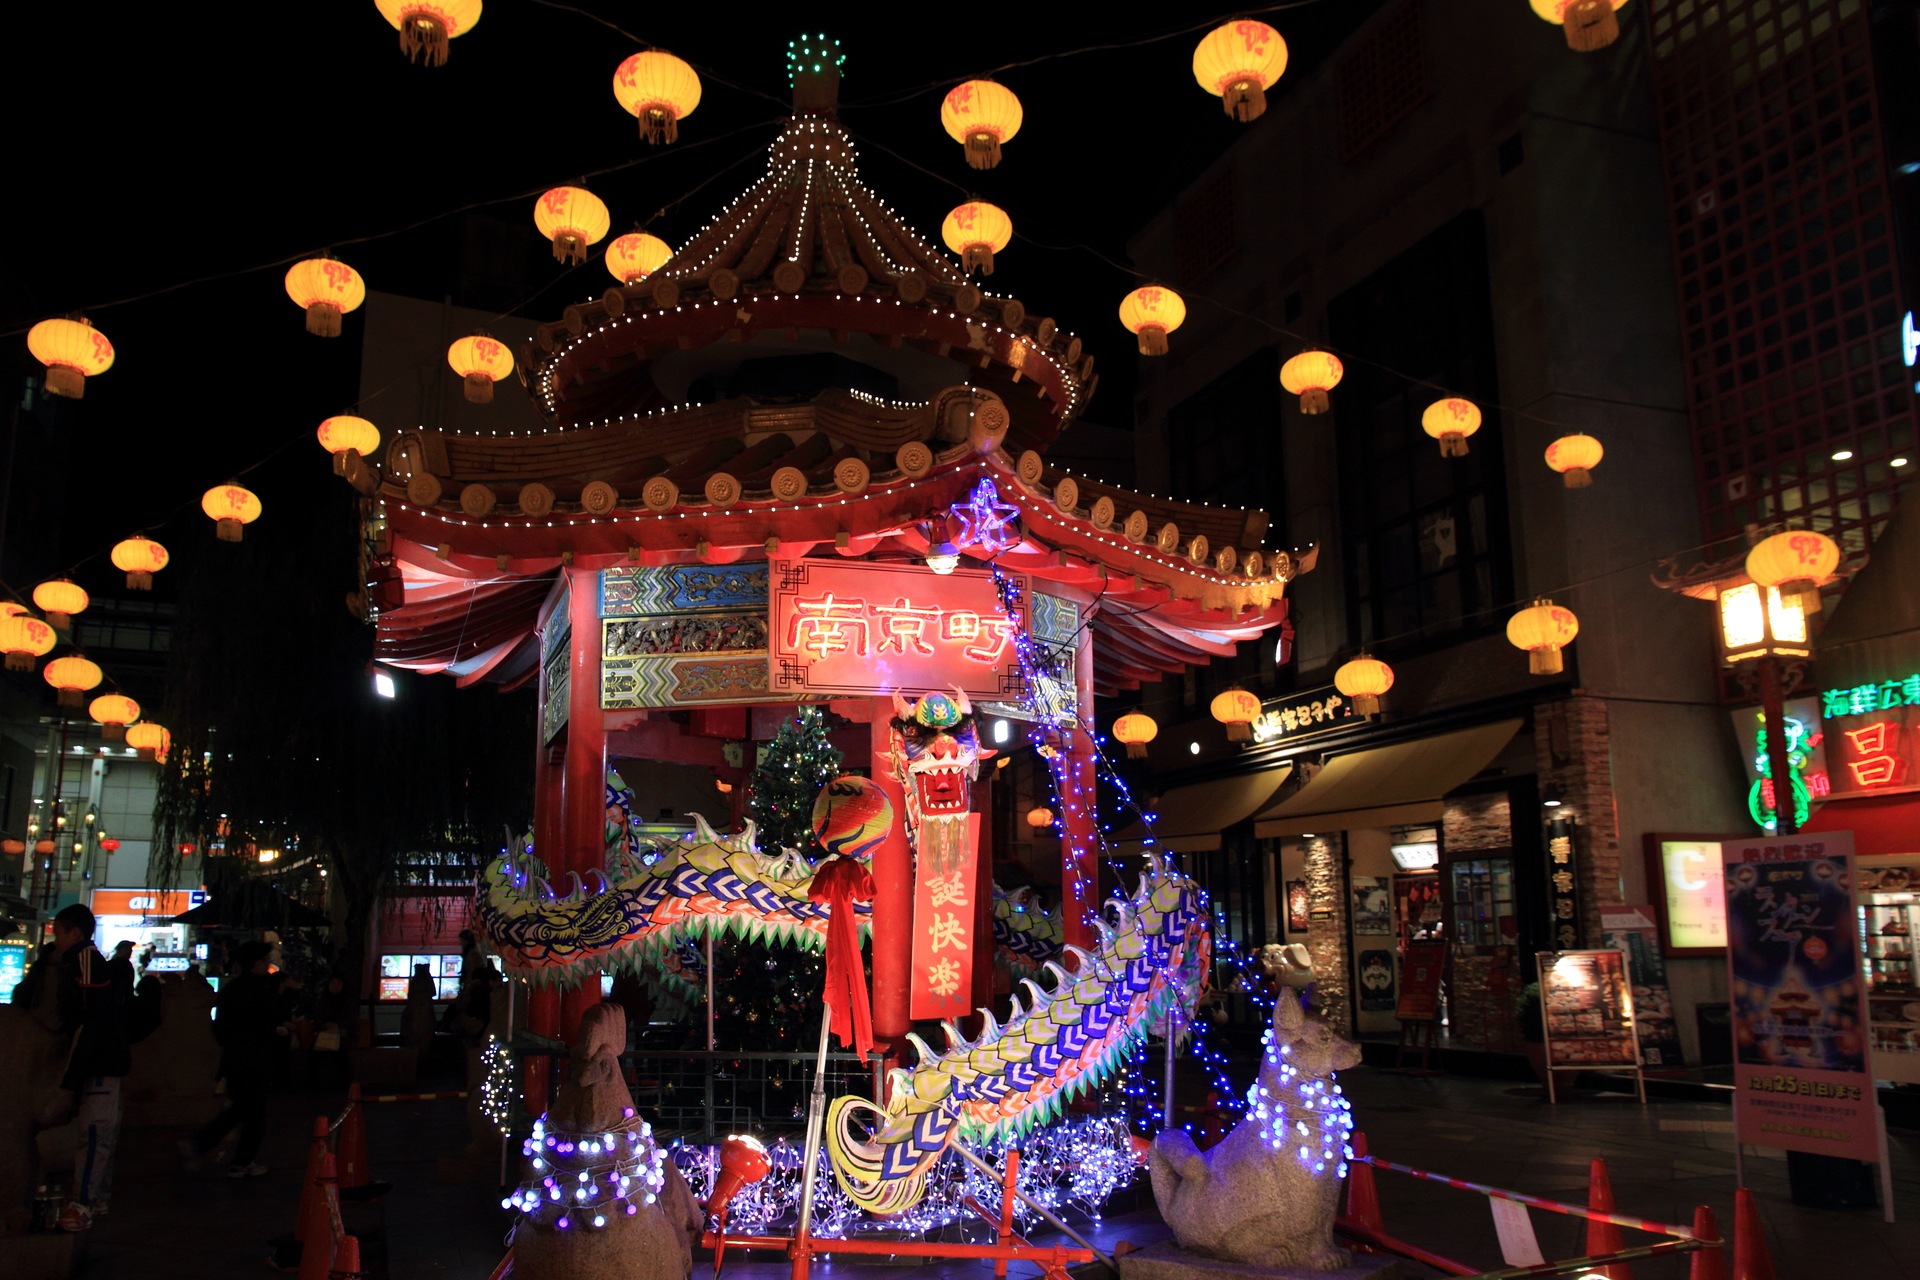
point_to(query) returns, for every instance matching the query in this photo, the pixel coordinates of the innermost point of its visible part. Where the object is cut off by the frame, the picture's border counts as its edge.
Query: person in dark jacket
(74, 991)
(249, 1027)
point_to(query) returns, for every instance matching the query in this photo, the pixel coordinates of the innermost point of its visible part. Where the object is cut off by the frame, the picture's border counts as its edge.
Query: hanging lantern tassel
(323, 320)
(658, 126)
(423, 38)
(479, 388)
(978, 257)
(1153, 340)
(983, 149)
(1590, 25)
(1136, 751)
(569, 248)
(1245, 100)
(228, 530)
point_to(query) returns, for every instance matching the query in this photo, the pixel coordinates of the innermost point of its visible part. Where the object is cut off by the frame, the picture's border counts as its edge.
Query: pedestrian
(74, 990)
(249, 1027)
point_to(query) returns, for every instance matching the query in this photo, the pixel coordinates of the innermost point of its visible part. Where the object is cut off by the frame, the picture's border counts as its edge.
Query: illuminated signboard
(1298, 715)
(861, 628)
(1909, 341)
(1873, 736)
(1685, 874)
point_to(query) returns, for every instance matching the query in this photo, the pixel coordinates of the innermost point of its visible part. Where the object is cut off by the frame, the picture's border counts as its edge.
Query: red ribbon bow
(840, 882)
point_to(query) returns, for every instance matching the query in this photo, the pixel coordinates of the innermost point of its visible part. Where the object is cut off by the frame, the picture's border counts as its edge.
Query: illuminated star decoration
(986, 523)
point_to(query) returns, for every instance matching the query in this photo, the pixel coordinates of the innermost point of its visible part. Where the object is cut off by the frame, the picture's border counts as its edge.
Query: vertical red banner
(945, 893)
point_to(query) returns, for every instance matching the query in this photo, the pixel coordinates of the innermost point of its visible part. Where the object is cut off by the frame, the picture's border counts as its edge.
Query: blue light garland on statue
(582, 1177)
(1283, 1121)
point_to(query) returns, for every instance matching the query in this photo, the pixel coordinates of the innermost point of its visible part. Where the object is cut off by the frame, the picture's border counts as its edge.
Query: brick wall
(1574, 753)
(1474, 823)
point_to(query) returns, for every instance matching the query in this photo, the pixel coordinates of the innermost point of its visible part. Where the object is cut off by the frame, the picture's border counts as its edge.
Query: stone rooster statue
(1266, 1195)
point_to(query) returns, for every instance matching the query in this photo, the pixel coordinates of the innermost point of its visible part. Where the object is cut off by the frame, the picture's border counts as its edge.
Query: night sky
(175, 158)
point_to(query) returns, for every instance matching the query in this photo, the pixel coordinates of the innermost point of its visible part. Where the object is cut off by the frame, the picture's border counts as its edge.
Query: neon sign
(1762, 804)
(1865, 699)
(1874, 763)
(1909, 341)
(864, 628)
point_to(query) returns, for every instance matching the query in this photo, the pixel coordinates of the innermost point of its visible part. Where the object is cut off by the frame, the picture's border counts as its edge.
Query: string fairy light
(581, 1178)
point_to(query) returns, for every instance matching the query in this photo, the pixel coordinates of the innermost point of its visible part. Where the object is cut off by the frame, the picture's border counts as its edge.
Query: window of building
(1223, 440)
(1426, 536)
(1482, 897)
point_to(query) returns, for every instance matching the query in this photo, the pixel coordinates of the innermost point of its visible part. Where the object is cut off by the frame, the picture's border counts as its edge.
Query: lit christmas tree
(767, 998)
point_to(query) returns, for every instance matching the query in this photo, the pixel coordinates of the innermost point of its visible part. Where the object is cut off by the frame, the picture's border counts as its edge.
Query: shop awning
(1190, 819)
(1880, 824)
(1387, 786)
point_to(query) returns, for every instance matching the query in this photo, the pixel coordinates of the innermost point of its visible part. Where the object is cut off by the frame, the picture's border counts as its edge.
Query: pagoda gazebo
(757, 459)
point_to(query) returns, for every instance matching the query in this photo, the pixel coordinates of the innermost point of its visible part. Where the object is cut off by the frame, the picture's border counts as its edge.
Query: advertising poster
(1799, 1016)
(1634, 932)
(1588, 1008)
(1418, 901)
(13, 968)
(1297, 902)
(1376, 980)
(1372, 906)
(1420, 987)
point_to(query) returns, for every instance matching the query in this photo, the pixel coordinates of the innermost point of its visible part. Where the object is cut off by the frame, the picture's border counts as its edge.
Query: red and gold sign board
(859, 628)
(944, 895)
(1422, 964)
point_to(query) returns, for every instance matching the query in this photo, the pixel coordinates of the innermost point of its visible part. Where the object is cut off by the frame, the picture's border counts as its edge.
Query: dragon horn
(1063, 980)
(1040, 997)
(1014, 1011)
(1087, 962)
(961, 700)
(594, 874)
(954, 1039)
(902, 710)
(538, 888)
(922, 1048)
(575, 887)
(989, 1026)
(702, 833)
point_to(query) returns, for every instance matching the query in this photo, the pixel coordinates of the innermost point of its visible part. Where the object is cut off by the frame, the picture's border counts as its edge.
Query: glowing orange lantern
(343, 434)
(23, 638)
(1151, 313)
(1451, 421)
(659, 90)
(60, 599)
(425, 26)
(981, 115)
(150, 740)
(976, 231)
(13, 848)
(1363, 681)
(110, 845)
(73, 351)
(113, 712)
(73, 676)
(1237, 709)
(1590, 24)
(1136, 729)
(1310, 375)
(43, 846)
(636, 255)
(328, 289)
(482, 361)
(1040, 817)
(1573, 457)
(1543, 629)
(230, 507)
(573, 218)
(1798, 561)
(1238, 63)
(139, 558)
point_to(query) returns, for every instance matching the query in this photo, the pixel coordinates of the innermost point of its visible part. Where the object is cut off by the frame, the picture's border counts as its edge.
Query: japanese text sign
(1296, 715)
(945, 902)
(861, 628)
(1873, 736)
(1799, 1010)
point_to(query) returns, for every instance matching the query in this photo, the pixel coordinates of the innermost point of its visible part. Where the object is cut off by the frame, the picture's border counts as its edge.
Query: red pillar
(583, 811)
(543, 1003)
(892, 903)
(1079, 840)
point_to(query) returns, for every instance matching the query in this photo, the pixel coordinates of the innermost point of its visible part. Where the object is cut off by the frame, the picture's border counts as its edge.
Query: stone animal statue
(642, 1233)
(1266, 1195)
(32, 1059)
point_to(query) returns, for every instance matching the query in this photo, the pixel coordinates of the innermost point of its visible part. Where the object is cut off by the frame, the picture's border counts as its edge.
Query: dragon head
(936, 752)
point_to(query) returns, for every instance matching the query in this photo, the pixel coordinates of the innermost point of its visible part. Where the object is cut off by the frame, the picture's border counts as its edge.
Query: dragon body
(1153, 954)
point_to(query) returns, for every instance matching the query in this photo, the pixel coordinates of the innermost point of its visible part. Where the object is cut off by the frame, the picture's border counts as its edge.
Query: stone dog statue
(1267, 1194)
(654, 1244)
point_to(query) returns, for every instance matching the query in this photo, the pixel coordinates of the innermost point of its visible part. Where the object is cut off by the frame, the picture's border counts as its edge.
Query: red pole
(892, 901)
(1080, 842)
(1777, 765)
(584, 805)
(983, 901)
(543, 1003)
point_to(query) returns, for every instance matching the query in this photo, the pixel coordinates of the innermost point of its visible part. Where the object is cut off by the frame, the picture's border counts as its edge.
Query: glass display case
(1888, 892)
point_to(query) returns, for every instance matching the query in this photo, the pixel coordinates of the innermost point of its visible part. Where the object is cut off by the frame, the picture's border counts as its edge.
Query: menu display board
(1799, 1003)
(1692, 909)
(396, 968)
(1588, 1008)
(1631, 931)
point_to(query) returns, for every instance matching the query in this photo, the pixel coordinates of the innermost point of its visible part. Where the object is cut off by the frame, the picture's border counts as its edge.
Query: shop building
(1453, 204)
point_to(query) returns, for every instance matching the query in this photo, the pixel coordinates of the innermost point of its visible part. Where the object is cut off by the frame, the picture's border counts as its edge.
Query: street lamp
(1762, 626)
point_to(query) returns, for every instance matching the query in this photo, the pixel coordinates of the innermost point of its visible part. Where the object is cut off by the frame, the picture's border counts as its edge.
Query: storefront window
(1483, 902)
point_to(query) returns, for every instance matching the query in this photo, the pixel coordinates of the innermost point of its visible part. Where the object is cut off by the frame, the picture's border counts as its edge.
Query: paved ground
(1664, 1159)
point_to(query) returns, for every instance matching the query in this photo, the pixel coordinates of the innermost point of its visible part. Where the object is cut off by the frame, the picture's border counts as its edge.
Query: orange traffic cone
(1751, 1261)
(316, 1246)
(353, 1142)
(1363, 1198)
(1604, 1237)
(308, 1186)
(1709, 1263)
(346, 1260)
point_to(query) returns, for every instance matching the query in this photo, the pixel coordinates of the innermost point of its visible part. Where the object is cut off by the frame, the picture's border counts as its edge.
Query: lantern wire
(1206, 25)
(708, 72)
